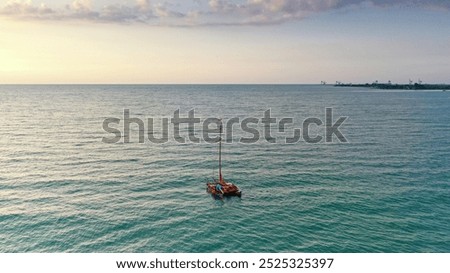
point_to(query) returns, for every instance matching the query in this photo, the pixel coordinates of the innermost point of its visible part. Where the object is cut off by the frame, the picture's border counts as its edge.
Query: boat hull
(228, 189)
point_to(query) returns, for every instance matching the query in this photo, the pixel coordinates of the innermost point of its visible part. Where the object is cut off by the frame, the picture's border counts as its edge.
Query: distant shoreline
(415, 86)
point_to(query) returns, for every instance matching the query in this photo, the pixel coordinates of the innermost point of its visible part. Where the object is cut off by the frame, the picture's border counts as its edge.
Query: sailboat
(221, 187)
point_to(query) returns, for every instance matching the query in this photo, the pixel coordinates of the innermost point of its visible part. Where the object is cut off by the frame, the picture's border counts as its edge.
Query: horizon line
(328, 84)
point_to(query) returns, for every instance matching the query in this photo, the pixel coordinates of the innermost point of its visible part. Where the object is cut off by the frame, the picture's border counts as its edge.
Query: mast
(220, 154)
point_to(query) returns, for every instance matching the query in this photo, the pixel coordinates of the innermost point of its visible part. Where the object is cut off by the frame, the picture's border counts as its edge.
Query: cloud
(26, 9)
(412, 3)
(201, 12)
(78, 10)
(271, 11)
(276, 11)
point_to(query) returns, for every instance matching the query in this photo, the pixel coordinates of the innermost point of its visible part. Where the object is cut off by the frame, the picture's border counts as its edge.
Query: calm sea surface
(63, 190)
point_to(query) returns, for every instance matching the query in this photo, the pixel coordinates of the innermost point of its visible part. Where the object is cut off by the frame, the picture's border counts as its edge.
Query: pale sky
(224, 41)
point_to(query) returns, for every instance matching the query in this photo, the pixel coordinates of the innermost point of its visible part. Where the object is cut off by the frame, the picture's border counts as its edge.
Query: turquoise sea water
(63, 190)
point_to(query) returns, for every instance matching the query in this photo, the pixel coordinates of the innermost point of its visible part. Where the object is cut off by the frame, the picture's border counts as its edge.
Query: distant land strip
(415, 86)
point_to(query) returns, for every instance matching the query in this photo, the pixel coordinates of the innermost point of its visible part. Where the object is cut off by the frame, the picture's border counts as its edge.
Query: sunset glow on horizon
(254, 41)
